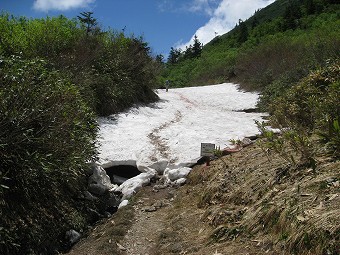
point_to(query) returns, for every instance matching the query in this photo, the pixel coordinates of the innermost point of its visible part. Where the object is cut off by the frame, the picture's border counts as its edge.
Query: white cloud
(205, 6)
(61, 5)
(224, 18)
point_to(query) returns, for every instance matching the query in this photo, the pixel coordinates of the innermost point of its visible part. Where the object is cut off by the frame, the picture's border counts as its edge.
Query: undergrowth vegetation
(307, 115)
(111, 70)
(47, 136)
(56, 76)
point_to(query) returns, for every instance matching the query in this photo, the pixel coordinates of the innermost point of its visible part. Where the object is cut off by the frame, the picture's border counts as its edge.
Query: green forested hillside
(56, 76)
(281, 42)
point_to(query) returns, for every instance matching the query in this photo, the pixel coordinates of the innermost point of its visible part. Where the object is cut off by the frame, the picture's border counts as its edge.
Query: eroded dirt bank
(244, 203)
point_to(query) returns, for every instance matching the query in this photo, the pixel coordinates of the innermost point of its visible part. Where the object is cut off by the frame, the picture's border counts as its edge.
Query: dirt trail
(159, 144)
(242, 204)
(150, 220)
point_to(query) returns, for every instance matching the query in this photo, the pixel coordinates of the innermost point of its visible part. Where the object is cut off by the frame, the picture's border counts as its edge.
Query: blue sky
(162, 23)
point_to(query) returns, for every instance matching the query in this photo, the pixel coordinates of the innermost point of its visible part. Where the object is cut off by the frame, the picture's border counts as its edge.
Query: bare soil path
(242, 204)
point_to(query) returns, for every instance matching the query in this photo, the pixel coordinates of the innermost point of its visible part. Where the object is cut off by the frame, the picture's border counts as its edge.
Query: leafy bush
(54, 77)
(310, 108)
(111, 70)
(47, 137)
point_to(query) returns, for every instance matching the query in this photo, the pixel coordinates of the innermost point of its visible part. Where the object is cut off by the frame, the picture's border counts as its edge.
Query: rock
(134, 184)
(175, 174)
(150, 209)
(72, 236)
(180, 182)
(160, 166)
(94, 214)
(88, 196)
(118, 179)
(123, 203)
(175, 248)
(159, 187)
(99, 181)
(331, 180)
(113, 200)
(121, 247)
(246, 141)
(158, 204)
(171, 194)
(107, 214)
(301, 218)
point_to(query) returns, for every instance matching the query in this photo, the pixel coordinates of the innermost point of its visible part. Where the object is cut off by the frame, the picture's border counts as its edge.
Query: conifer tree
(196, 48)
(174, 56)
(243, 32)
(87, 19)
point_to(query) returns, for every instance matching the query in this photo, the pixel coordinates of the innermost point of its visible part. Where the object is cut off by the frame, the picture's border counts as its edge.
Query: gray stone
(72, 236)
(150, 209)
(118, 179)
(113, 200)
(99, 181)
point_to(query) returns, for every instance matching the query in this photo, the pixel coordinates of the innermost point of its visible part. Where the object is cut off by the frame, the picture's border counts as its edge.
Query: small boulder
(72, 236)
(175, 174)
(123, 203)
(180, 181)
(99, 181)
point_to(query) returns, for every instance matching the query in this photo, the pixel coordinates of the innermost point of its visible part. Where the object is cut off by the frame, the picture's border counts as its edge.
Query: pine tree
(159, 59)
(291, 15)
(196, 48)
(188, 53)
(87, 19)
(243, 32)
(174, 56)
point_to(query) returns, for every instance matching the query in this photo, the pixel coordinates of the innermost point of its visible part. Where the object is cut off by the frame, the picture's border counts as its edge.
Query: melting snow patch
(131, 186)
(172, 130)
(174, 174)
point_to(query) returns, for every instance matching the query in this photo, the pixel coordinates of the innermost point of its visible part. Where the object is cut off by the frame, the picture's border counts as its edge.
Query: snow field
(165, 137)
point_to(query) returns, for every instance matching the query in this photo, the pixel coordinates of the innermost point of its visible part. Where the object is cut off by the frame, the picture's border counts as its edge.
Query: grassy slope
(250, 203)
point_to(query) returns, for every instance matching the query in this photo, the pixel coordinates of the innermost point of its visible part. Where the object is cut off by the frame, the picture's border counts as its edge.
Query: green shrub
(311, 108)
(112, 71)
(47, 137)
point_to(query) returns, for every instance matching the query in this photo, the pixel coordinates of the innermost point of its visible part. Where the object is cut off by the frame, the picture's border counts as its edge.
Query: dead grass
(241, 204)
(270, 199)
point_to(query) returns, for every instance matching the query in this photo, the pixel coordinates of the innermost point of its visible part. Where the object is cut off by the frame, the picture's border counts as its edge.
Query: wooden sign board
(207, 149)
